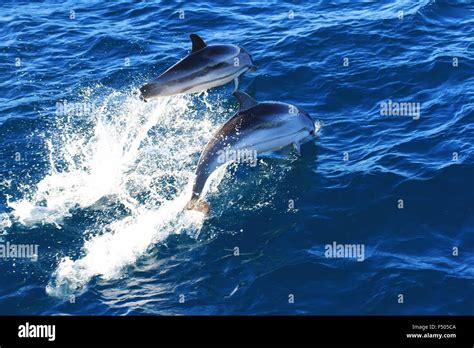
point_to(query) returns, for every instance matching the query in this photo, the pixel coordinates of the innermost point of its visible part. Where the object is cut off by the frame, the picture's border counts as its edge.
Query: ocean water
(98, 179)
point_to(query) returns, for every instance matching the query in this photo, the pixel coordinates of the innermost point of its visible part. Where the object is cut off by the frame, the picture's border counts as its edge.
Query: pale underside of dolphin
(207, 66)
(255, 128)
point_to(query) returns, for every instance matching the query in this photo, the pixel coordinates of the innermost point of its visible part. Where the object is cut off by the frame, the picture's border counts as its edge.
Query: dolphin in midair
(205, 67)
(255, 128)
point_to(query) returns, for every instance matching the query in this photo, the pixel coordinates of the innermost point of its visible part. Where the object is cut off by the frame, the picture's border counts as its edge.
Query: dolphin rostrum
(205, 67)
(255, 128)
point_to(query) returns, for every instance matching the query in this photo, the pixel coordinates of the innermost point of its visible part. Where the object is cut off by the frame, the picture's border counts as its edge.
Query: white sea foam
(5, 223)
(139, 155)
(128, 239)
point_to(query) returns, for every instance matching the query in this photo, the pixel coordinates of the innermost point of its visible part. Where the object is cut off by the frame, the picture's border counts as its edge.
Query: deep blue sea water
(100, 185)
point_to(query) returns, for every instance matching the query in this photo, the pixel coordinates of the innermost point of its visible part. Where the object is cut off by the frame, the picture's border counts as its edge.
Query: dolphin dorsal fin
(198, 43)
(245, 101)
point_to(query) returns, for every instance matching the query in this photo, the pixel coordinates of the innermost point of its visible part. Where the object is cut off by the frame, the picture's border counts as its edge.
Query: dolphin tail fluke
(199, 205)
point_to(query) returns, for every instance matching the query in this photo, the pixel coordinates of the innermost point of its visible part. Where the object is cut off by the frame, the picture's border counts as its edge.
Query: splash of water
(141, 156)
(106, 255)
(102, 163)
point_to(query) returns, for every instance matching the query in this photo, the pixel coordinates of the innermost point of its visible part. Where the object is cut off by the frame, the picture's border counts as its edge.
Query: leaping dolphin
(205, 67)
(255, 128)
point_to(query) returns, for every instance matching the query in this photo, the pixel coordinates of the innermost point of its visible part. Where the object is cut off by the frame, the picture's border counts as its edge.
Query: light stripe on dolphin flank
(275, 138)
(228, 77)
(205, 67)
(265, 127)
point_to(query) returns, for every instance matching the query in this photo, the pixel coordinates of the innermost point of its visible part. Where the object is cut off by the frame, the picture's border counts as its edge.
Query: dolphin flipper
(297, 148)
